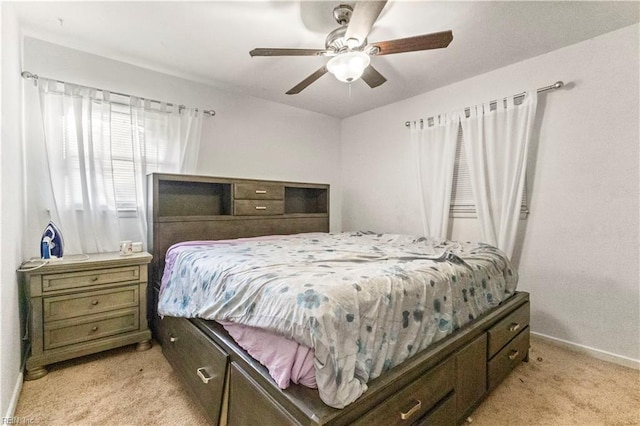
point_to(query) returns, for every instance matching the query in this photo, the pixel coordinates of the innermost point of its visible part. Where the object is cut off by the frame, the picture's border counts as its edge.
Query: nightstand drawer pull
(514, 354)
(203, 376)
(94, 328)
(94, 279)
(260, 191)
(412, 411)
(173, 339)
(95, 302)
(514, 327)
(261, 207)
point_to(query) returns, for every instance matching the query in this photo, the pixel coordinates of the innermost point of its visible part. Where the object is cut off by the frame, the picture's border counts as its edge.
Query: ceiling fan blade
(412, 44)
(287, 52)
(372, 77)
(307, 81)
(364, 16)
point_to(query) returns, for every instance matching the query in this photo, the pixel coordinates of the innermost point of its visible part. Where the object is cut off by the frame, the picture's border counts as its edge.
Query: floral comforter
(363, 302)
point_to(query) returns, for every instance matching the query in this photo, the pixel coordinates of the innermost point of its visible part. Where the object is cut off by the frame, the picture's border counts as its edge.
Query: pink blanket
(286, 360)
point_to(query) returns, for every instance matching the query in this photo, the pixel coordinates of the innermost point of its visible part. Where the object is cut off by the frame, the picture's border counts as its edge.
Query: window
(122, 158)
(462, 202)
(109, 121)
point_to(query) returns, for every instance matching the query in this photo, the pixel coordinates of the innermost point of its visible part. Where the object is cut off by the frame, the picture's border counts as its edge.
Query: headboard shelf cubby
(193, 198)
(305, 200)
(189, 207)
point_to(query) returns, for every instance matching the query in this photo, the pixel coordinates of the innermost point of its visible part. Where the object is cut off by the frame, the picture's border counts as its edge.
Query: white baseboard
(595, 353)
(11, 409)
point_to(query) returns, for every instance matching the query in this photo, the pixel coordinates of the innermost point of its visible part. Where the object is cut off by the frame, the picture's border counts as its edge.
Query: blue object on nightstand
(51, 244)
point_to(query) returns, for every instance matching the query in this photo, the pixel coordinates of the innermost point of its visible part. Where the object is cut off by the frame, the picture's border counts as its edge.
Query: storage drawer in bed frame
(441, 385)
(508, 345)
(200, 363)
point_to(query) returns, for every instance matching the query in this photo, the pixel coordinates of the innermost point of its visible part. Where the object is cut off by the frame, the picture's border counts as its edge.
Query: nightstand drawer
(63, 281)
(415, 400)
(501, 333)
(80, 304)
(258, 207)
(68, 332)
(258, 191)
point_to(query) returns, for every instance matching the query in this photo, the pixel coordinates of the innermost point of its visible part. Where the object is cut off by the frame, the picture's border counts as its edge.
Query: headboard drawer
(258, 191)
(258, 207)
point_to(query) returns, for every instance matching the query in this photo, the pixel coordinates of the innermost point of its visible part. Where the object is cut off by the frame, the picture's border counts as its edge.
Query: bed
(399, 329)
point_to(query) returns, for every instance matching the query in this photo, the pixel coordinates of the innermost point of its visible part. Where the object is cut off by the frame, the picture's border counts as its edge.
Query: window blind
(122, 158)
(462, 202)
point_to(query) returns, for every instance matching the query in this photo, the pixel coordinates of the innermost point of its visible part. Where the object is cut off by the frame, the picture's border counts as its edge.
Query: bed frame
(441, 385)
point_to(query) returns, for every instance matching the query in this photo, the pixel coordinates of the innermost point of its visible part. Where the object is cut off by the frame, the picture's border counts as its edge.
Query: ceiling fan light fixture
(353, 43)
(348, 66)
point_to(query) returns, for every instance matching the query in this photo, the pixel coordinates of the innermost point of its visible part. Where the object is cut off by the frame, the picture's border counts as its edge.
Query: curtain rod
(554, 86)
(28, 75)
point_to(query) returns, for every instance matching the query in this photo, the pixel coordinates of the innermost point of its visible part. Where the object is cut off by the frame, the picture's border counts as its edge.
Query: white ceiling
(209, 41)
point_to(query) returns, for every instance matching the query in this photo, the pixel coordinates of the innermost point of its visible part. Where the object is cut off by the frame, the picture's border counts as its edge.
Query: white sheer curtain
(434, 149)
(496, 144)
(165, 140)
(78, 156)
(89, 177)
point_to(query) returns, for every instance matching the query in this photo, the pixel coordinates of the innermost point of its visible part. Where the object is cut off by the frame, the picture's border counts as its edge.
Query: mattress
(361, 302)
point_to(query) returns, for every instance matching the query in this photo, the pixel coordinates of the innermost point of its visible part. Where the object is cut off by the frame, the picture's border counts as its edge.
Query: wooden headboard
(186, 208)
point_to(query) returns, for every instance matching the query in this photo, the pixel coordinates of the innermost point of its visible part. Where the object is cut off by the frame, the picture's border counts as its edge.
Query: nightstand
(84, 304)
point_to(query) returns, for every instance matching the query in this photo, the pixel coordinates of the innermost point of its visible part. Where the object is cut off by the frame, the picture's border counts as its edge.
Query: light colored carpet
(125, 387)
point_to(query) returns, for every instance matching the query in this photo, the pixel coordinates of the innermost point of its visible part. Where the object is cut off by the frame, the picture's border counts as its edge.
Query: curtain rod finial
(558, 84)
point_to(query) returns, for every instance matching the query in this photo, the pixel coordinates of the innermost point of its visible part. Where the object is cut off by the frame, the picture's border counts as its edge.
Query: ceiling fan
(349, 50)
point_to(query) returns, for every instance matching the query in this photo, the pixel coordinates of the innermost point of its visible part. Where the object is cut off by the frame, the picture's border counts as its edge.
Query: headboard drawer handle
(202, 373)
(513, 355)
(412, 411)
(514, 327)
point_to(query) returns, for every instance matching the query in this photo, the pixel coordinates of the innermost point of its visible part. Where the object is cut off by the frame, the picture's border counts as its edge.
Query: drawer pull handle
(94, 328)
(514, 353)
(203, 376)
(412, 411)
(94, 279)
(173, 339)
(261, 208)
(514, 327)
(94, 302)
(260, 191)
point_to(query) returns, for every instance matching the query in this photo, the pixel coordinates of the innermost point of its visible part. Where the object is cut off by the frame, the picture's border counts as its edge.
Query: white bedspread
(363, 302)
